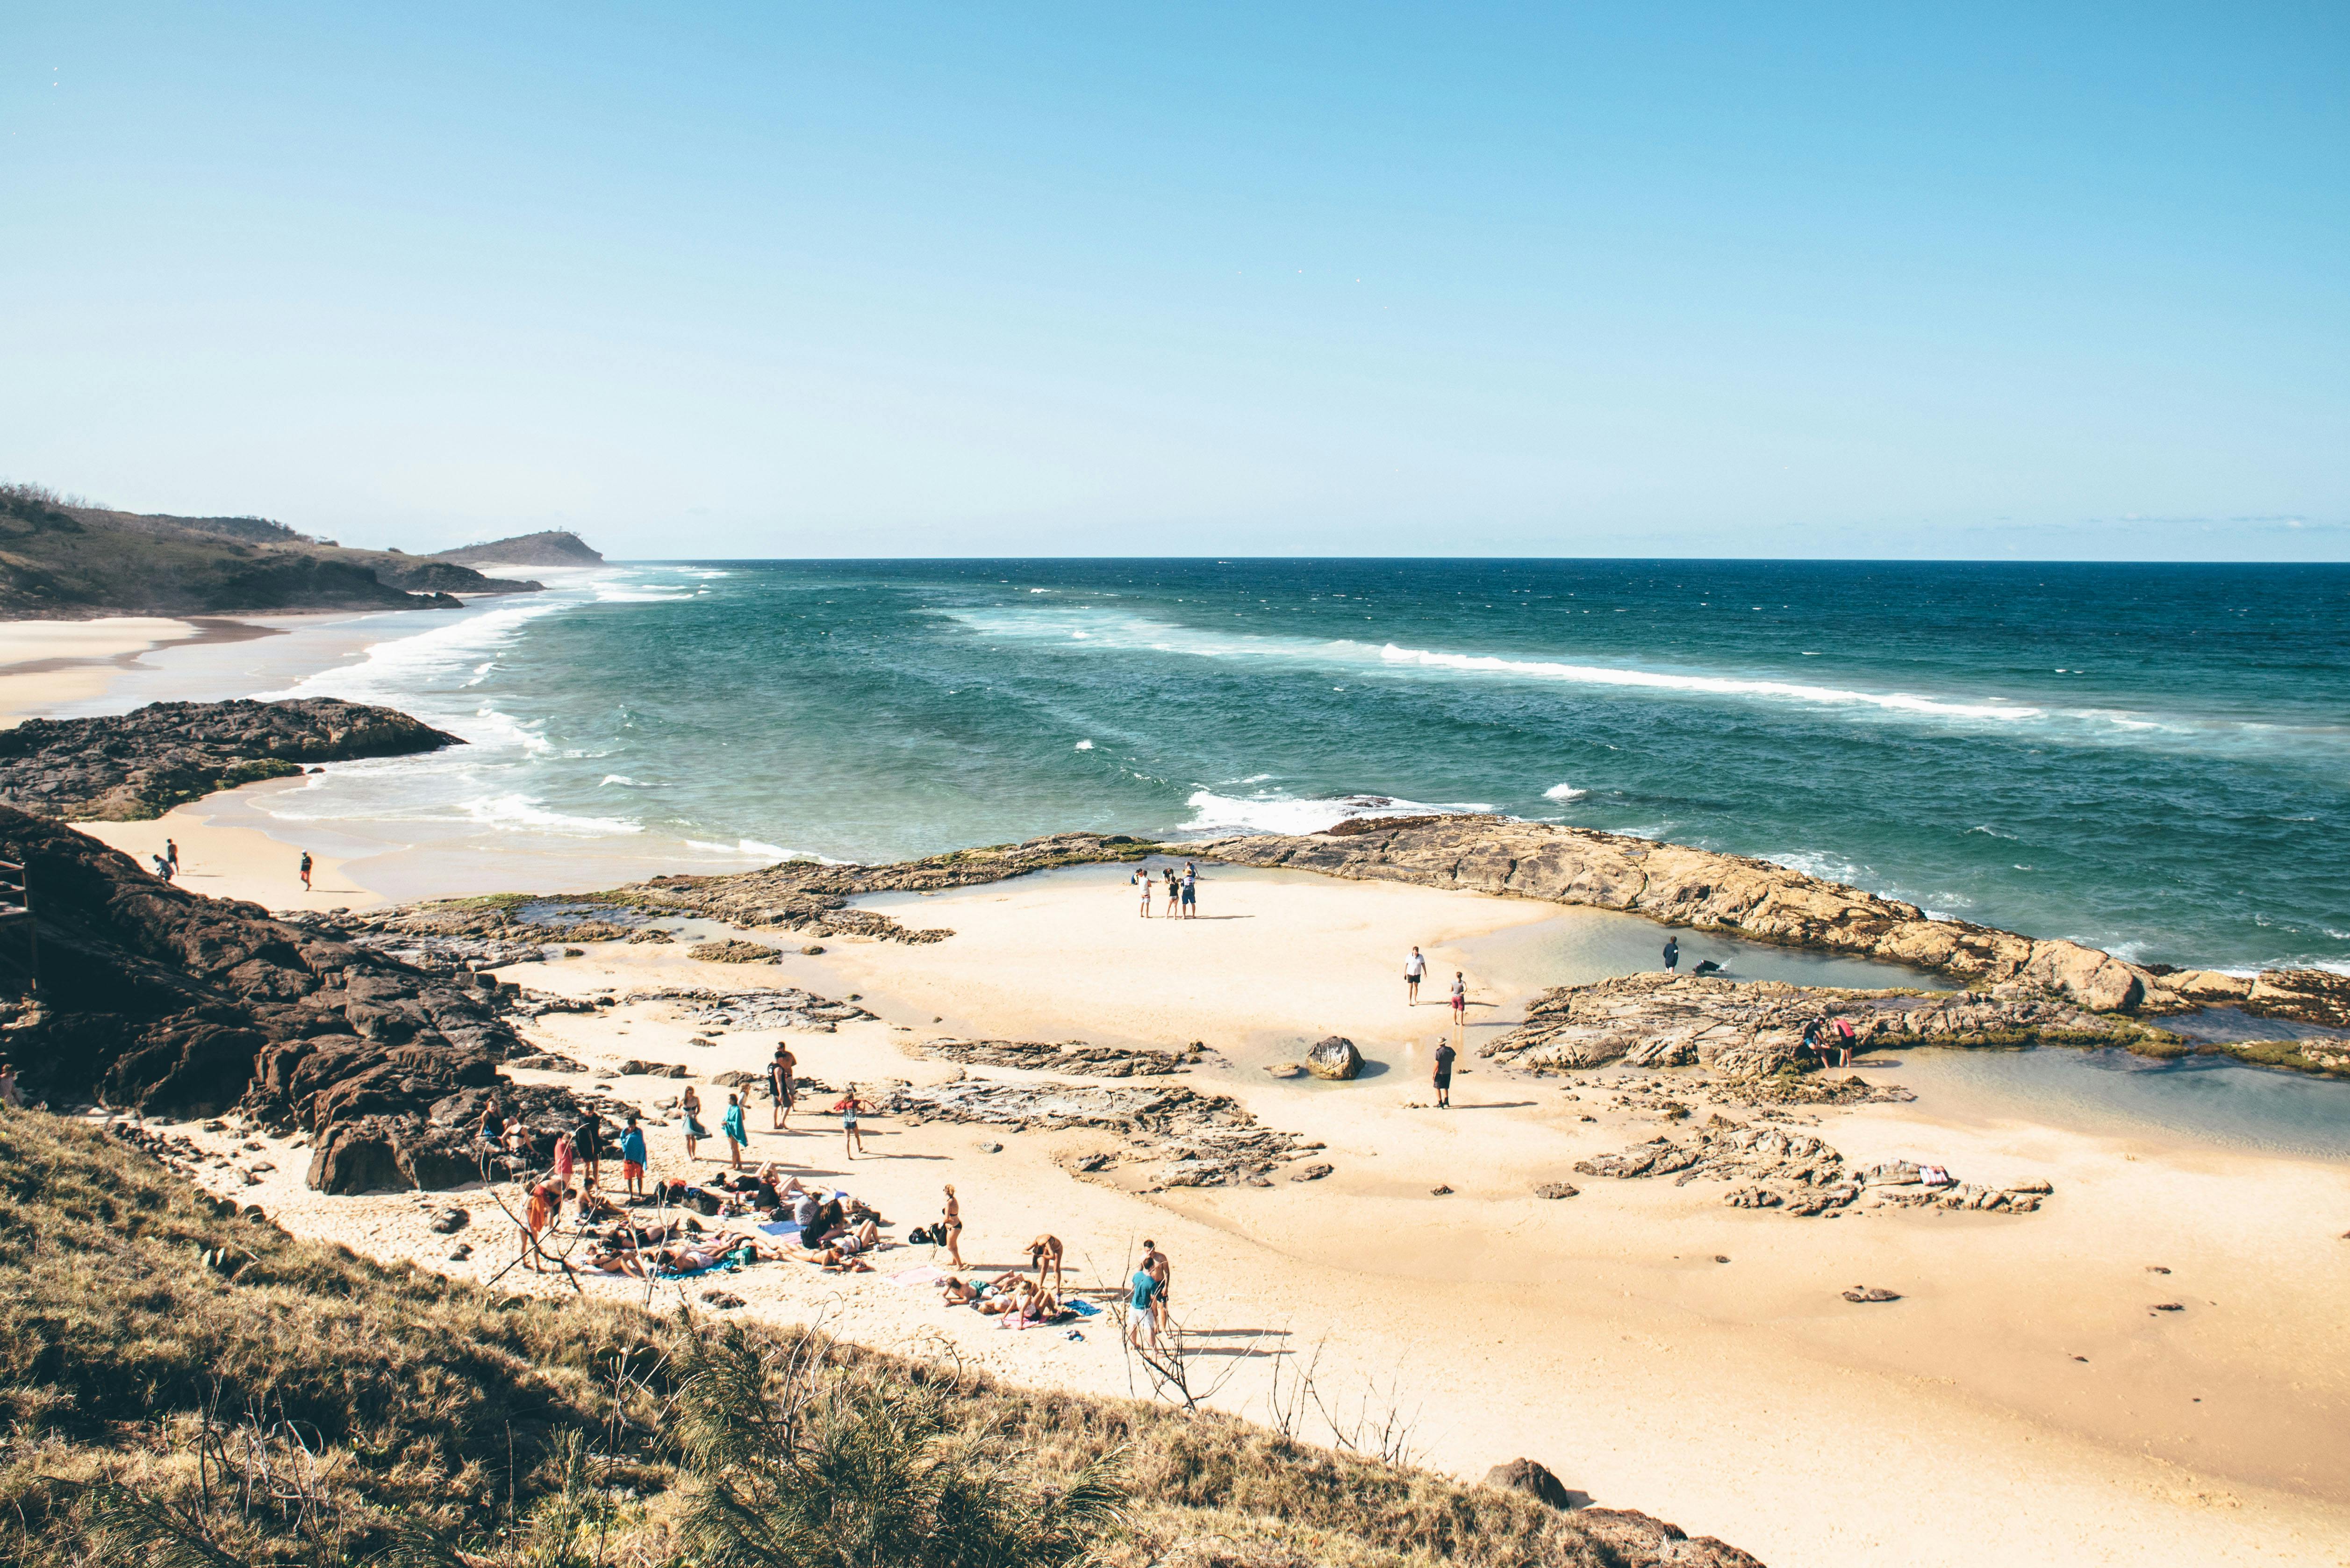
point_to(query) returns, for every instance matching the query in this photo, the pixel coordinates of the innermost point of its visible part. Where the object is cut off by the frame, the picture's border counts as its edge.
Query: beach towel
(1015, 1321)
(781, 1228)
(923, 1275)
(1082, 1309)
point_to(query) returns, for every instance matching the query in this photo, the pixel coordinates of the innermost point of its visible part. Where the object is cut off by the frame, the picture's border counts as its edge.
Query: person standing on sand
(172, 855)
(1143, 1306)
(1044, 1251)
(535, 1221)
(1415, 969)
(1141, 878)
(1191, 891)
(692, 1107)
(1460, 1001)
(565, 1157)
(1672, 954)
(306, 870)
(1844, 1042)
(588, 1139)
(632, 1158)
(852, 1142)
(1174, 893)
(1444, 1055)
(950, 1229)
(737, 1135)
(1162, 1272)
(779, 1084)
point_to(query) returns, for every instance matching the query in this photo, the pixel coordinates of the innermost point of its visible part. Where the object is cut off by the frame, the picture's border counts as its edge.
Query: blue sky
(777, 279)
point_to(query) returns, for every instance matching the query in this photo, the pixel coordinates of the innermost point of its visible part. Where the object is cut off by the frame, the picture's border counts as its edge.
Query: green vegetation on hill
(554, 547)
(184, 1386)
(61, 558)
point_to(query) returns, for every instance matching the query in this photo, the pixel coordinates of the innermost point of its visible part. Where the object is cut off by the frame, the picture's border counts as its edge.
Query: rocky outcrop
(1333, 1057)
(785, 1007)
(1757, 1026)
(1753, 1029)
(2306, 995)
(1068, 1057)
(809, 896)
(1755, 899)
(141, 763)
(1796, 1173)
(733, 951)
(1177, 1137)
(1533, 1479)
(163, 1000)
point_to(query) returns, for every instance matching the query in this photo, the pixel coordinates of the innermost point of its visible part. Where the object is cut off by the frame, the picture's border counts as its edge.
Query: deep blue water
(2154, 759)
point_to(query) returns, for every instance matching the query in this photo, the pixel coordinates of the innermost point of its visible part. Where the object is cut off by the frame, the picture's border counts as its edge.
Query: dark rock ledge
(161, 1000)
(140, 764)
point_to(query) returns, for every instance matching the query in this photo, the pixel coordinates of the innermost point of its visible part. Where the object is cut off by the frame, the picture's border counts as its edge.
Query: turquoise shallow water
(2152, 759)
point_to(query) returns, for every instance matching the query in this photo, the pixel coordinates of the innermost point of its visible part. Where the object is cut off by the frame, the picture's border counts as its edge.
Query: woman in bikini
(950, 1229)
(695, 1131)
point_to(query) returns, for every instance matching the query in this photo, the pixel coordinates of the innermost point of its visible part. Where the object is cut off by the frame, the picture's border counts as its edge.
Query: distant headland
(66, 560)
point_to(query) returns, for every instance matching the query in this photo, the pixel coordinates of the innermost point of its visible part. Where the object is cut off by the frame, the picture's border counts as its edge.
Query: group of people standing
(782, 1094)
(1415, 970)
(1183, 891)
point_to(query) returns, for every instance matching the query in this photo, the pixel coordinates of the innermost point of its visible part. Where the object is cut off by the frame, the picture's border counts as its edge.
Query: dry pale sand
(222, 862)
(45, 664)
(1598, 1334)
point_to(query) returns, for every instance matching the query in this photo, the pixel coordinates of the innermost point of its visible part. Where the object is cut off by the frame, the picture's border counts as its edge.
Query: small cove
(2210, 1098)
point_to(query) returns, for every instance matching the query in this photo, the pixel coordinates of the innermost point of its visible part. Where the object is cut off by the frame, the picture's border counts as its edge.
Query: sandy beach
(2023, 1401)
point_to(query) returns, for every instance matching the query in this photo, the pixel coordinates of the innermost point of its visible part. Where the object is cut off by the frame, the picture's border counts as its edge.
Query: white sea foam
(1118, 629)
(525, 812)
(1267, 812)
(766, 853)
(1084, 746)
(1714, 685)
(396, 671)
(1564, 792)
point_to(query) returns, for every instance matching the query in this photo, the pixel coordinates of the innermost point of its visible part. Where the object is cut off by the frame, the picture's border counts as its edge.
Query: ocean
(2150, 759)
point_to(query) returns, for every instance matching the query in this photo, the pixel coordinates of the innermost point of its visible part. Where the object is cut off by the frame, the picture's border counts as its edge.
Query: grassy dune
(188, 1385)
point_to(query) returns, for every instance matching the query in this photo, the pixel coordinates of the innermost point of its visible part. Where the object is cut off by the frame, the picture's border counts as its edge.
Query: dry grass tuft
(186, 1386)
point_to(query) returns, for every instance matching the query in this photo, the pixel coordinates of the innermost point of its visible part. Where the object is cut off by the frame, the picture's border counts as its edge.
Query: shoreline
(2021, 1400)
(1595, 1335)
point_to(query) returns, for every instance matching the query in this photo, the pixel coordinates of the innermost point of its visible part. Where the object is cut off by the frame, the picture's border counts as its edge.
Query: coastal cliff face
(164, 1000)
(140, 764)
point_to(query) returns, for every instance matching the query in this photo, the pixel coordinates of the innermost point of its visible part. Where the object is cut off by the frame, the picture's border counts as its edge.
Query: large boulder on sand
(1534, 1480)
(1333, 1057)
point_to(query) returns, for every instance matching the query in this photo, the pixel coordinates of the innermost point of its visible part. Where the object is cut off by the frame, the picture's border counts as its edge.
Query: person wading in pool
(1672, 954)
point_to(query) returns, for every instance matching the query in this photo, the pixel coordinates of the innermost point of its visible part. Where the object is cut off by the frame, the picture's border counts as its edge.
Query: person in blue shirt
(736, 1134)
(632, 1158)
(1142, 1306)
